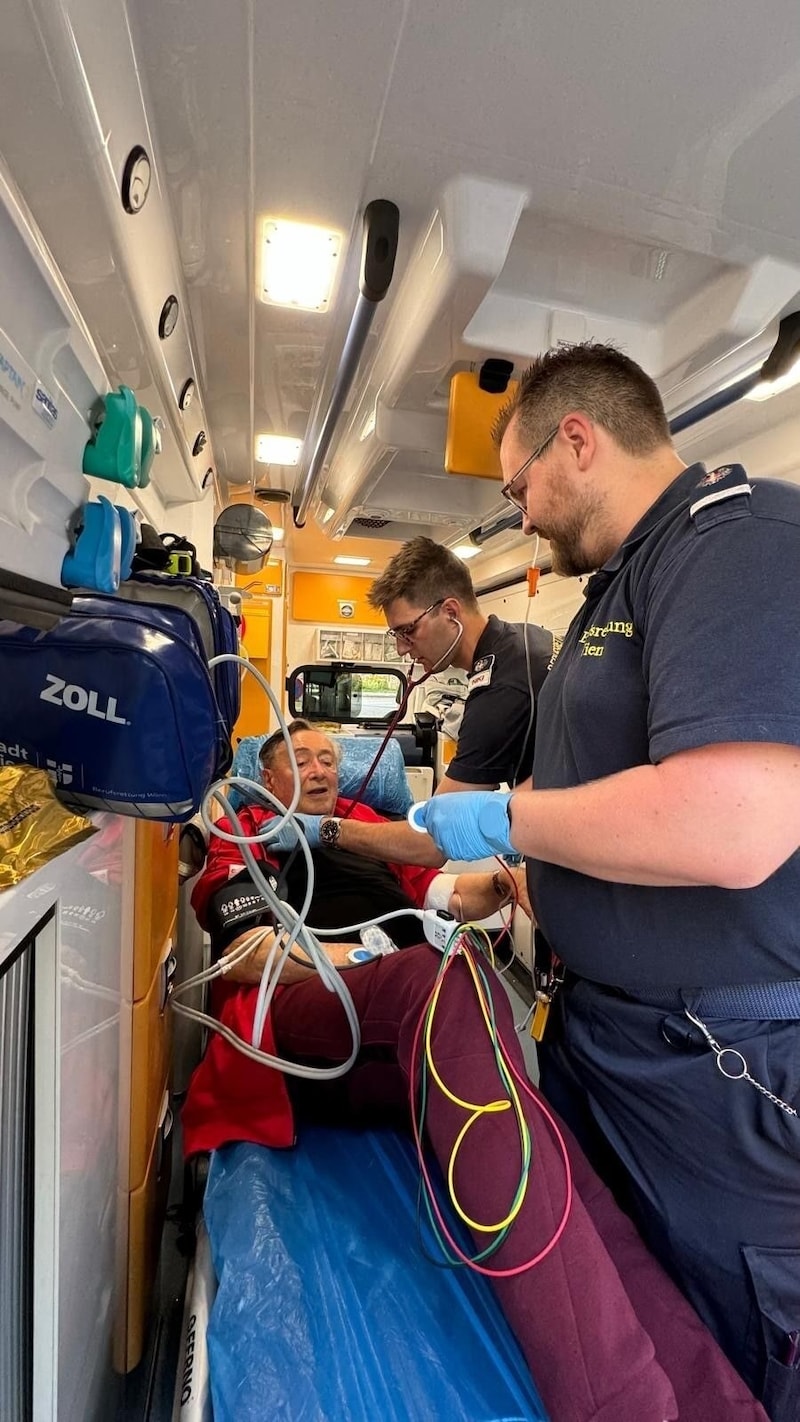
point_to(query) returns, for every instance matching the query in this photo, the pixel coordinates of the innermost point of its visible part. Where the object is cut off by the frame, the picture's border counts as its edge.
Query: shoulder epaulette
(715, 490)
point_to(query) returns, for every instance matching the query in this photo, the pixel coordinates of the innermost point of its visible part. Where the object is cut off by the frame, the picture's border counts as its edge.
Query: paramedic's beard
(568, 559)
(578, 540)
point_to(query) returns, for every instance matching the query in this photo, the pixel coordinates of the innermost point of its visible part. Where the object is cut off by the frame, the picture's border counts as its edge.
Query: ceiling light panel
(277, 449)
(298, 264)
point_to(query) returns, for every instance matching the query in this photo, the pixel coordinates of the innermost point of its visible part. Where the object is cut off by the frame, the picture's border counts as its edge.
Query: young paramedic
(662, 839)
(427, 597)
(605, 1333)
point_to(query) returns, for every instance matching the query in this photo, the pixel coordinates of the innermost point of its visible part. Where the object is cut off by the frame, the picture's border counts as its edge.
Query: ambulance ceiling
(561, 170)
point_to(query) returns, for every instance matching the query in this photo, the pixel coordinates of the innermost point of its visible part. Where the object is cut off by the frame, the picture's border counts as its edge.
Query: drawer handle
(167, 977)
(164, 1133)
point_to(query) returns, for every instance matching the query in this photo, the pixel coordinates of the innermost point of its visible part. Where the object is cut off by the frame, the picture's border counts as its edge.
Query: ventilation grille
(371, 522)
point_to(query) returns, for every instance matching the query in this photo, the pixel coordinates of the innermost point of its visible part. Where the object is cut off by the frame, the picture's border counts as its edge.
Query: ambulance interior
(315, 243)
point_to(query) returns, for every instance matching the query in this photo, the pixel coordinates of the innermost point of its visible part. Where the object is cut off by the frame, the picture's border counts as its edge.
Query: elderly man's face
(319, 774)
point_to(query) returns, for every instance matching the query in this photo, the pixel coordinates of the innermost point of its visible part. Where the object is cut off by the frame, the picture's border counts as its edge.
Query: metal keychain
(736, 1057)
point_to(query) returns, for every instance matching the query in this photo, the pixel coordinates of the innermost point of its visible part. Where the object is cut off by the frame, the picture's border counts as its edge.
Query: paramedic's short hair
(423, 572)
(275, 743)
(596, 379)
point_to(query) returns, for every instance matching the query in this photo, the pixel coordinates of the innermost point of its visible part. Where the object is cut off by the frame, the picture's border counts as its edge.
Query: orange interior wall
(315, 597)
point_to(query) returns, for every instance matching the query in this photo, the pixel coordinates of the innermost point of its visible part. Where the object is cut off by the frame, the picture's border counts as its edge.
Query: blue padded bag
(171, 619)
(217, 628)
(387, 792)
(223, 634)
(122, 713)
(166, 619)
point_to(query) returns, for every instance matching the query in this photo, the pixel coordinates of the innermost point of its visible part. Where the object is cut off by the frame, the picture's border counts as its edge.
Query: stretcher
(312, 1299)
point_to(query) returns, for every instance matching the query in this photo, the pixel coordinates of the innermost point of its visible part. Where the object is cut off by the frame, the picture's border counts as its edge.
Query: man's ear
(581, 435)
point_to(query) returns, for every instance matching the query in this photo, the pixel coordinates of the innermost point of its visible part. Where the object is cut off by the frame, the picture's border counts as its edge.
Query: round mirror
(243, 534)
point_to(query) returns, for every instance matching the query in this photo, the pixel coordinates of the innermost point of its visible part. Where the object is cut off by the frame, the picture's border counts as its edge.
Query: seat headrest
(387, 792)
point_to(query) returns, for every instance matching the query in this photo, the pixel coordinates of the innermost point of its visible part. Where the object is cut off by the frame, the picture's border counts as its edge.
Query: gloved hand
(286, 838)
(470, 825)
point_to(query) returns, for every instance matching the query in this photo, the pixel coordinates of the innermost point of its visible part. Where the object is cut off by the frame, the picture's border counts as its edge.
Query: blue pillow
(387, 792)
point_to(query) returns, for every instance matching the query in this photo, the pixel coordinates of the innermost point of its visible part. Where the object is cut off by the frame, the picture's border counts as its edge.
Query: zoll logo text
(76, 698)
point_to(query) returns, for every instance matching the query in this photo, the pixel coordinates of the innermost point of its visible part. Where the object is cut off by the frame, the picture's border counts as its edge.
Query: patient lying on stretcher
(607, 1336)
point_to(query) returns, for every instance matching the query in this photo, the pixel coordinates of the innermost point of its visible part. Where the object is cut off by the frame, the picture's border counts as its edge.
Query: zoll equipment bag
(117, 704)
(217, 628)
(175, 623)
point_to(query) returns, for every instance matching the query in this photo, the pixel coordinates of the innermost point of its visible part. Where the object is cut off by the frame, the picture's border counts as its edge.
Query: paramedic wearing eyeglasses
(606, 1334)
(427, 597)
(662, 838)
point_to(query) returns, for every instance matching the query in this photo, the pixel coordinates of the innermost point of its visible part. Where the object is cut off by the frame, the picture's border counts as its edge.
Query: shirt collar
(487, 637)
(667, 502)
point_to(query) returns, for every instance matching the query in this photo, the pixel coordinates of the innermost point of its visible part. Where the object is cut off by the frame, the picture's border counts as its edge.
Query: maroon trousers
(606, 1334)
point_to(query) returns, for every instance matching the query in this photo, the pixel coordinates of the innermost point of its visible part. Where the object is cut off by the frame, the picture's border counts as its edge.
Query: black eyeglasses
(406, 632)
(517, 497)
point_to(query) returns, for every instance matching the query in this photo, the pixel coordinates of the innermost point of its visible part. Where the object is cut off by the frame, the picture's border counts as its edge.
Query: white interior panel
(554, 604)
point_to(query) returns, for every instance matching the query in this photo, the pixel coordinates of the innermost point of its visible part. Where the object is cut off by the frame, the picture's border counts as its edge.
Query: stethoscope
(411, 686)
(445, 657)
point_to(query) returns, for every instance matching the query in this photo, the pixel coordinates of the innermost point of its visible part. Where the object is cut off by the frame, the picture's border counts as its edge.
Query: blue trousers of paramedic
(708, 1167)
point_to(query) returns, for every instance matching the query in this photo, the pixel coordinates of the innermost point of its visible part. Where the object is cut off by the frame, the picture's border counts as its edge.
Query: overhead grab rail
(784, 354)
(379, 251)
(502, 523)
(779, 362)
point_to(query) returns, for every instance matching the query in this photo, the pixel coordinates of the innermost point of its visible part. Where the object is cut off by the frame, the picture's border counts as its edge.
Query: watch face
(329, 832)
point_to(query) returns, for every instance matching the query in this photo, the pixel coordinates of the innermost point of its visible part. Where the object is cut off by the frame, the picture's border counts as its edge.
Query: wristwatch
(329, 831)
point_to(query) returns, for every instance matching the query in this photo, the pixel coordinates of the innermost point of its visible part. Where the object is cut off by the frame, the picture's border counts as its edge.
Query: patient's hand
(521, 880)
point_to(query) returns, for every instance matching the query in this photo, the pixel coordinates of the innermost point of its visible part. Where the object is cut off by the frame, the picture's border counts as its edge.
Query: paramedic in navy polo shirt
(662, 840)
(427, 597)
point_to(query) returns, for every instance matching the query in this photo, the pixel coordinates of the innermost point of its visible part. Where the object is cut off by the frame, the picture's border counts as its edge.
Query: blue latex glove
(470, 825)
(286, 838)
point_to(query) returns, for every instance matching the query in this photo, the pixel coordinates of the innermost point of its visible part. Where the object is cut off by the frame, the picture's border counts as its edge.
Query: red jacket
(231, 1097)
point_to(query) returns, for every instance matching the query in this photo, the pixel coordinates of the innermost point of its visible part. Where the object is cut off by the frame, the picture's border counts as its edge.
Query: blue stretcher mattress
(327, 1311)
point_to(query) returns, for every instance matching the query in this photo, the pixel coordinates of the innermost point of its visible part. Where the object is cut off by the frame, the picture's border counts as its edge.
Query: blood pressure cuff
(234, 909)
(120, 709)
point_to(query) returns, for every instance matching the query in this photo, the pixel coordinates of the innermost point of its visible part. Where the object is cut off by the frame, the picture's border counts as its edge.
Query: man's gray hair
(274, 743)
